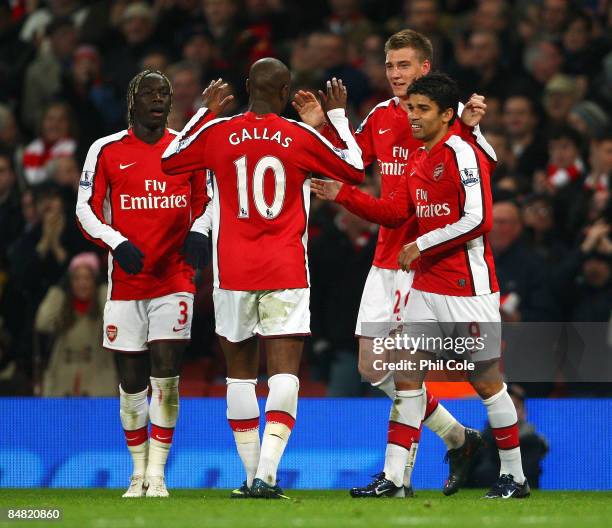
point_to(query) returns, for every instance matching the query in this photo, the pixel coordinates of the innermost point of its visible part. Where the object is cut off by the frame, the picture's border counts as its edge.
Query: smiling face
(428, 122)
(403, 66)
(152, 102)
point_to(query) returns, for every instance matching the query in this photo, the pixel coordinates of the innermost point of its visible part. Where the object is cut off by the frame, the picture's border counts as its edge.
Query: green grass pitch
(104, 508)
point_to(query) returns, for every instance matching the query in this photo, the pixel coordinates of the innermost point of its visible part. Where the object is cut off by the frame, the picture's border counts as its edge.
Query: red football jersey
(448, 191)
(124, 195)
(261, 167)
(385, 136)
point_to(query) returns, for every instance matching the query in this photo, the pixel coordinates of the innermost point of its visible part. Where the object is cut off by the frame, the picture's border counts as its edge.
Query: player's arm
(319, 155)
(469, 126)
(185, 153)
(195, 247)
(472, 172)
(93, 188)
(391, 211)
(311, 112)
(90, 216)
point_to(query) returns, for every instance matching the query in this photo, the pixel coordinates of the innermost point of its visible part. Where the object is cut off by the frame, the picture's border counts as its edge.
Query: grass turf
(104, 508)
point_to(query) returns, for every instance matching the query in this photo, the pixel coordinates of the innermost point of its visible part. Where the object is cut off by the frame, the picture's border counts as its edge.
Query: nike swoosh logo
(507, 495)
(378, 491)
(502, 438)
(175, 329)
(164, 437)
(381, 131)
(122, 166)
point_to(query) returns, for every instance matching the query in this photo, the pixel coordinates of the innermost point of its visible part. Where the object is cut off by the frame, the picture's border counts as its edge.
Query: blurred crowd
(544, 66)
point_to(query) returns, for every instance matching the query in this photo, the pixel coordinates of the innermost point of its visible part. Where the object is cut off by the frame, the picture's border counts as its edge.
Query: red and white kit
(448, 191)
(261, 168)
(124, 195)
(385, 136)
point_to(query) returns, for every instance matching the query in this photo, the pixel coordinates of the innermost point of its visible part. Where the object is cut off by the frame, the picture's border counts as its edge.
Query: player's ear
(285, 92)
(447, 115)
(425, 67)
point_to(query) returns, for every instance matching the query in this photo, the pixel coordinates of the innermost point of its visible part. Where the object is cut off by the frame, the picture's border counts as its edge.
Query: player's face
(426, 119)
(403, 66)
(152, 102)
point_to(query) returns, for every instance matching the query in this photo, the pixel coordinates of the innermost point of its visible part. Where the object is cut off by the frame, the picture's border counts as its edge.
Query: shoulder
(379, 109)
(461, 151)
(105, 141)
(299, 125)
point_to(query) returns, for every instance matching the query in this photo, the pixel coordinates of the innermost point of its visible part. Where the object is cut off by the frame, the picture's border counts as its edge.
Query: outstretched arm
(391, 211)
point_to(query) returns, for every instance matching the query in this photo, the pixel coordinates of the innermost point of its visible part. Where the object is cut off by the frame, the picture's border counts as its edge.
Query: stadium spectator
(524, 290)
(187, 89)
(92, 99)
(348, 20)
(554, 17)
(65, 173)
(541, 232)
(589, 119)
(506, 161)
(600, 161)
(565, 166)
(11, 221)
(222, 24)
(329, 53)
(69, 330)
(534, 447)
(560, 95)
(156, 60)
(583, 280)
(521, 122)
(542, 61)
(37, 22)
(582, 51)
(14, 55)
(56, 140)
(9, 130)
(137, 27)
(44, 75)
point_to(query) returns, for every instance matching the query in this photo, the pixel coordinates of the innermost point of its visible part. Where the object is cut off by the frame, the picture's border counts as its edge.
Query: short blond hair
(408, 38)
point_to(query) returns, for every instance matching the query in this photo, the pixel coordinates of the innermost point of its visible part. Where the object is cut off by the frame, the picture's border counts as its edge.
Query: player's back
(261, 202)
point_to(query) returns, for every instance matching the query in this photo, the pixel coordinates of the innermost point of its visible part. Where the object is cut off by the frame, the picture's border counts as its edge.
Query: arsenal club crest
(111, 332)
(438, 171)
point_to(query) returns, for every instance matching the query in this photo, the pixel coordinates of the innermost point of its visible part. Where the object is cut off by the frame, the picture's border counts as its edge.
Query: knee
(487, 389)
(134, 384)
(164, 371)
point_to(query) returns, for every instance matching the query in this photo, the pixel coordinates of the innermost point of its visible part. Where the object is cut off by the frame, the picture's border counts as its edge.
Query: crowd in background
(544, 66)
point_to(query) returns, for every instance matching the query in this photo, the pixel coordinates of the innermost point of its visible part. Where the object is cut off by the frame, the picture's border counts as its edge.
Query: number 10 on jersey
(266, 210)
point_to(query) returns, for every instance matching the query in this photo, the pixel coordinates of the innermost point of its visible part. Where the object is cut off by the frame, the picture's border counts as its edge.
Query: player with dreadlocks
(148, 222)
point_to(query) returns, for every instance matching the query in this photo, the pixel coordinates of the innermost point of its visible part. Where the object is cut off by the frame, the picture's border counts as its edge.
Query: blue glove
(195, 249)
(129, 257)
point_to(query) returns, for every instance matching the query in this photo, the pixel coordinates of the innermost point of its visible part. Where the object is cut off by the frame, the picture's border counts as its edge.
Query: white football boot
(137, 487)
(157, 487)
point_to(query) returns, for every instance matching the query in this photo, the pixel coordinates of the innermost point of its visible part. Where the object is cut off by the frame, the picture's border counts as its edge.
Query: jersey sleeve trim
(351, 156)
(473, 217)
(184, 140)
(94, 226)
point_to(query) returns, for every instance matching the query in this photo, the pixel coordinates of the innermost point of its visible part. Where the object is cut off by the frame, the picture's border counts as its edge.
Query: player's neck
(403, 101)
(260, 107)
(148, 135)
(436, 139)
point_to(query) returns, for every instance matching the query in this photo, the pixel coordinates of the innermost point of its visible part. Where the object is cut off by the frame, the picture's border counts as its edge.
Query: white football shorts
(384, 297)
(129, 326)
(240, 315)
(431, 315)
